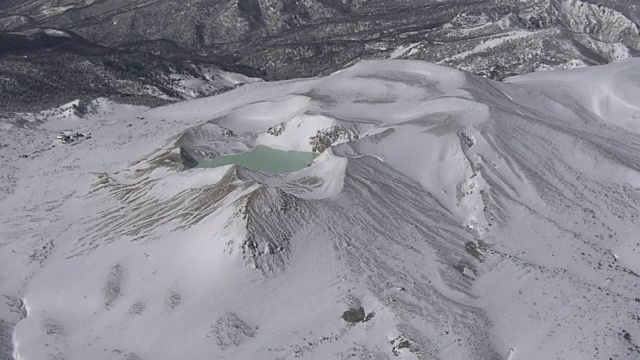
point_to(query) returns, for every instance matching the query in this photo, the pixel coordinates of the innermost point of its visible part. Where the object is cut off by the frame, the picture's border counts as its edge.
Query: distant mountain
(41, 68)
(291, 38)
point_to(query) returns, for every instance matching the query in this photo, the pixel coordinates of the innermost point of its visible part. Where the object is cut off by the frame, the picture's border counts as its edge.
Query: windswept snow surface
(456, 217)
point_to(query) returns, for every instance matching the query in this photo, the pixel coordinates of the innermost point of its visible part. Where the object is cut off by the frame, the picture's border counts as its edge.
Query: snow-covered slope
(448, 217)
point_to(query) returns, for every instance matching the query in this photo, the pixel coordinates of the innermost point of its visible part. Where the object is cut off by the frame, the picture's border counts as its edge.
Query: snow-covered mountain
(288, 39)
(446, 216)
(43, 68)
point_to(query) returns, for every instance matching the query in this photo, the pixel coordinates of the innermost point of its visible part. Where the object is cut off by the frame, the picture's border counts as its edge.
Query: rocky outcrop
(325, 138)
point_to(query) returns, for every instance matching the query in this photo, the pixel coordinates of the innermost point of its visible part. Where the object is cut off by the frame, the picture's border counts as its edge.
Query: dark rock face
(279, 39)
(354, 315)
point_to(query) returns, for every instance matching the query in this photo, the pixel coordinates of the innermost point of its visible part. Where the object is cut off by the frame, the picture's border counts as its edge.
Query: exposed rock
(326, 138)
(276, 130)
(231, 330)
(354, 315)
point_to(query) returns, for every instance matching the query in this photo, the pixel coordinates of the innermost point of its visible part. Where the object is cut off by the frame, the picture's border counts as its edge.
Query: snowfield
(447, 217)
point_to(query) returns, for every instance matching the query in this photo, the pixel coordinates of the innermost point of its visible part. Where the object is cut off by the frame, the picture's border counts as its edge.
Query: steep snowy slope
(447, 217)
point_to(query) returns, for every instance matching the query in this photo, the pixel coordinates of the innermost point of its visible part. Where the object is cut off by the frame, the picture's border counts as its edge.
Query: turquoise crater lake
(265, 159)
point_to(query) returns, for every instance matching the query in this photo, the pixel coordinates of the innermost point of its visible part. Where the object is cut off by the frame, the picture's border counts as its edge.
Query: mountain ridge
(307, 38)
